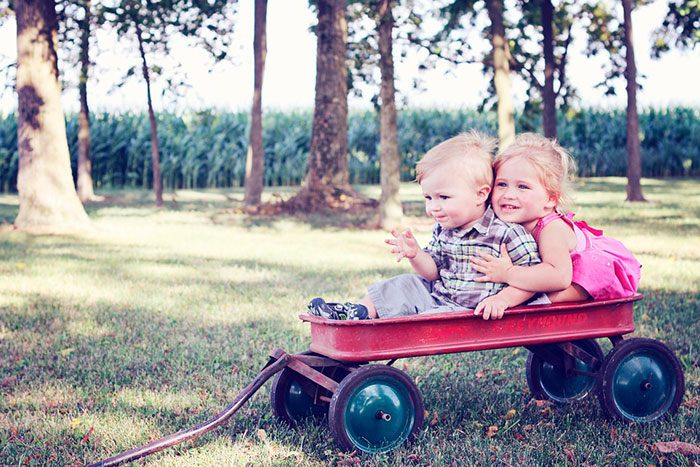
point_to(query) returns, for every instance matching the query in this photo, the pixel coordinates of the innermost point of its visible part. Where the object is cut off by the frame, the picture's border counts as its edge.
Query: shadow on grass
(147, 373)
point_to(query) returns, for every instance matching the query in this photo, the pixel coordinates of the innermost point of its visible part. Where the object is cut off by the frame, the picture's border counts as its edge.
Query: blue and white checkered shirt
(454, 249)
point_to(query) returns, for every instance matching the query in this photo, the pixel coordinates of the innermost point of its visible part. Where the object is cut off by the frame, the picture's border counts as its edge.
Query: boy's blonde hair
(553, 163)
(471, 151)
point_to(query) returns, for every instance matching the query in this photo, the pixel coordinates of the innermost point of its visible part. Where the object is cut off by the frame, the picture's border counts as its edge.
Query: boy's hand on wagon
(492, 307)
(493, 269)
(404, 244)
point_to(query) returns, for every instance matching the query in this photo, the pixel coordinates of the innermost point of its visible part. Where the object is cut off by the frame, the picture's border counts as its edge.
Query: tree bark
(84, 175)
(549, 110)
(501, 76)
(634, 159)
(255, 161)
(328, 163)
(390, 209)
(327, 183)
(155, 148)
(48, 201)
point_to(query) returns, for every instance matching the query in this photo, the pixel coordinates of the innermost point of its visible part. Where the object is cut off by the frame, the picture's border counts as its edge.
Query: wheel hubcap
(379, 415)
(562, 388)
(643, 386)
(299, 405)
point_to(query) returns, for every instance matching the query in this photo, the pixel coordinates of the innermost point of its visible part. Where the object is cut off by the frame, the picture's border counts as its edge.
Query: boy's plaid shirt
(453, 251)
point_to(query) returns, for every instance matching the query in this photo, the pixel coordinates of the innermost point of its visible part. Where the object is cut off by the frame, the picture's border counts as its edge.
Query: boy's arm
(406, 246)
(425, 266)
(494, 306)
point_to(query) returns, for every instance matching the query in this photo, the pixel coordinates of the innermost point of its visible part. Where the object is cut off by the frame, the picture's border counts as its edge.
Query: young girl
(578, 262)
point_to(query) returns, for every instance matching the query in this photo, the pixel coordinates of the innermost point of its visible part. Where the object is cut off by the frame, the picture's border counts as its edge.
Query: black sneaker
(355, 311)
(319, 307)
(348, 311)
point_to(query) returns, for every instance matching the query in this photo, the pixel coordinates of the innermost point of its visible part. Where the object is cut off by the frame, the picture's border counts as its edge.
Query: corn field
(208, 149)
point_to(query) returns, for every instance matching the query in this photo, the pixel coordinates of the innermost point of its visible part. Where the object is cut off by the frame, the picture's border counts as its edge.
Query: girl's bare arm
(553, 274)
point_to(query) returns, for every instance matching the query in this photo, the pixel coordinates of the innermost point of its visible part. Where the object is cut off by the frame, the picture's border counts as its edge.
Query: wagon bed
(462, 331)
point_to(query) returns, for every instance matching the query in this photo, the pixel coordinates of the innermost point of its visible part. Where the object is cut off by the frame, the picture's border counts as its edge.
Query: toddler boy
(456, 178)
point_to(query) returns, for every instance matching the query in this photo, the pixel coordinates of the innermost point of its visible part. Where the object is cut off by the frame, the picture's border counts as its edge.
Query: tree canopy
(530, 39)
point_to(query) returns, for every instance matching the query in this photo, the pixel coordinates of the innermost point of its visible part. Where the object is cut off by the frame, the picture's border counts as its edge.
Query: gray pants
(407, 295)
(410, 294)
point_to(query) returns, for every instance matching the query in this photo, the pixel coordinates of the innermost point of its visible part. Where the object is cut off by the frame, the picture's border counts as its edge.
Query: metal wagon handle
(277, 362)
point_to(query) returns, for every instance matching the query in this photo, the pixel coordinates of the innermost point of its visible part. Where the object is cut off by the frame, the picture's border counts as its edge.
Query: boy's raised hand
(404, 244)
(494, 269)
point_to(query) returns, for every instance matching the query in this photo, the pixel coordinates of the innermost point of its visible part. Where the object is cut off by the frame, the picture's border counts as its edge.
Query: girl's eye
(444, 197)
(523, 187)
(501, 184)
(427, 198)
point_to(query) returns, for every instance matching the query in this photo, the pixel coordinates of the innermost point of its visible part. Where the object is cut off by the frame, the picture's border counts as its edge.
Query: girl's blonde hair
(472, 152)
(553, 163)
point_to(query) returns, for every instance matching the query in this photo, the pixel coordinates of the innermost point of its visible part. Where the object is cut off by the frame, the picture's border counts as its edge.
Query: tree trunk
(390, 209)
(84, 176)
(155, 149)
(328, 162)
(255, 161)
(549, 110)
(48, 201)
(327, 183)
(501, 76)
(634, 159)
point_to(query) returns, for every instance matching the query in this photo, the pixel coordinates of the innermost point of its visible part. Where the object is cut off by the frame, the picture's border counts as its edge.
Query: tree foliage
(680, 27)
(606, 36)
(202, 23)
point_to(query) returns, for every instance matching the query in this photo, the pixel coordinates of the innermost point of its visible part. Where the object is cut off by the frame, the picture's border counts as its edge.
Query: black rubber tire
(375, 409)
(547, 382)
(291, 404)
(641, 380)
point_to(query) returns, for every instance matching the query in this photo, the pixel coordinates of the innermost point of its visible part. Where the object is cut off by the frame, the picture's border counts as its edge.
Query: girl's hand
(492, 307)
(494, 269)
(405, 244)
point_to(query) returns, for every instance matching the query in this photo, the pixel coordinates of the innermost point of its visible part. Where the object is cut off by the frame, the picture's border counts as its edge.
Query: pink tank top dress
(601, 265)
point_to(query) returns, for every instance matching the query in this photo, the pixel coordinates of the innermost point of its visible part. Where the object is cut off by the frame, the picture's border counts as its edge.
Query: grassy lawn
(155, 322)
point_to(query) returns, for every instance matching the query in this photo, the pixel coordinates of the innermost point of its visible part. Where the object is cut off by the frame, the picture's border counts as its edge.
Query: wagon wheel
(550, 382)
(375, 409)
(294, 397)
(641, 380)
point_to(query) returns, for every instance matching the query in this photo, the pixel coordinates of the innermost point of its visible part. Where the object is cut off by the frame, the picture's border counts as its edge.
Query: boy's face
(451, 200)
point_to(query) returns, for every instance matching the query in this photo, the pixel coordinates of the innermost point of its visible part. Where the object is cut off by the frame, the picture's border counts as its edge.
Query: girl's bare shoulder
(558, 230)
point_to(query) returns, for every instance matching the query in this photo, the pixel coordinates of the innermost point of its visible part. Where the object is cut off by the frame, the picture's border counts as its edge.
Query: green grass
(154, 322)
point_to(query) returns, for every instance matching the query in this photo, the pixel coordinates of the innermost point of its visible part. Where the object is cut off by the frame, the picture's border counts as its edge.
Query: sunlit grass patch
(261, 450)
(149, 399)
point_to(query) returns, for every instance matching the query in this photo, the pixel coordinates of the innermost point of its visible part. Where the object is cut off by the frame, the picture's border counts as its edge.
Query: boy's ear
(483, 192)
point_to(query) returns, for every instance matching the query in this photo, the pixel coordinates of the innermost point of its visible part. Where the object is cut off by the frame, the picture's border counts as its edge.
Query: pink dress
(601, 265)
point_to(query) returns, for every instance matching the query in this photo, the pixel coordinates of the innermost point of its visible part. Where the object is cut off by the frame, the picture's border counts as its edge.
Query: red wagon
(377, 407)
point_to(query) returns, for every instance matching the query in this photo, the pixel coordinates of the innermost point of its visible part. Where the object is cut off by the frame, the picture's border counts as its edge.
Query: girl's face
(518, 195)
(451, 200)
